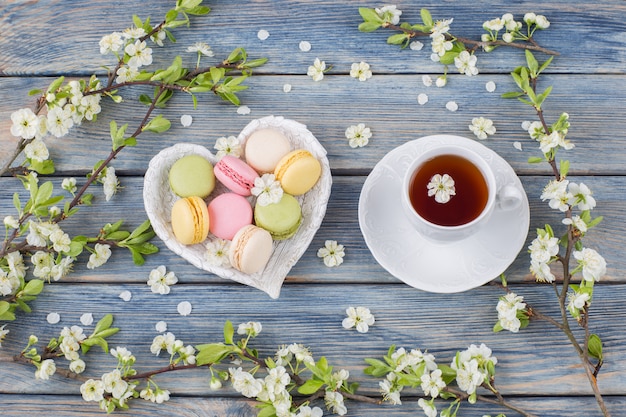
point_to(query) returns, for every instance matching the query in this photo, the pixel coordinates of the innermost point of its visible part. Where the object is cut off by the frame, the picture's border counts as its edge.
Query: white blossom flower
(361, 317)
(200, 48)
(468, 376)
(69, 185)
(123, 355)
(442, 187)
(110, 183)
(428, 407)
(217, 252)
(432, 383)
(466, 63)
(245, 383)
(541, 271)
(125, 74)
(15, 262)
(542, 22)
(111, 43)
(158, 37)
(316, 71)
(140, 54)
(3, 333)
(100, 256)
(440, 45)
(494, 24)
(148, 394)
(25, 123)
(306, 411)
(441, 81)
(77, 366)
(114, 384)
(252, 328)
(389, 14)
(592, 263)
(358, 135)
(161, 396)
(530, 18)
(267, 190)
(334, 402)
(36, 150)
(45, 370)
(332, 253)
(508, 37)
(507, 308)
(576, 301)
(482, 127)
(440, 28)
(163, 342)
(61, 268)
(11, 222)
(60, 241)
(556, 192)
(553, 140)
(228, 146)
(160, 281)
(134, 33)
(90, 106)
(577, 222)
(361, 71)
(92, 390)
(581, 196)
(8, 284)
(543, 248)
(535, 130)
(43, 262)
(59, 121)
(390, 390)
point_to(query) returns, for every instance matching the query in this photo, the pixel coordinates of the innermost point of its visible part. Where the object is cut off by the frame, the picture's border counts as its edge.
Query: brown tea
(470, 187)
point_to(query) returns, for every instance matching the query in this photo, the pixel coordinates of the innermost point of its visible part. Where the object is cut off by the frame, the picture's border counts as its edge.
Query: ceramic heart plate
(159, 199)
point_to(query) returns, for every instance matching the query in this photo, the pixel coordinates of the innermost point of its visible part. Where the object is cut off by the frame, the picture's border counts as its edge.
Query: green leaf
(216, 74)
(171, 15)
(367, 27)
(33, 287)
(4, 307)
(137, 21)
(107, 332)
(158, 124)
(7, 316)
(370, 15)
(35, 92)
(426, 18)
(229, 332)
(545, 64)
(311, 386)
(212, 353)
(563, 167)
(397, 39)
(532, 63)
(199, 10)
(42, 167)
(138, 259)
(267, 410)
(104, 323)
(594, 346)
(16, 202)
(95, 341)
(448, 374)
(23, 306)
(594, 222)
(54, 85)
(145, 99)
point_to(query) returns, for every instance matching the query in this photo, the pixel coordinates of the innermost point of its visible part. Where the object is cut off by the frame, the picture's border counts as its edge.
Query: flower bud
(11, 222)
(530, 18)
(215, 384)
(33, 339)
(441, 81)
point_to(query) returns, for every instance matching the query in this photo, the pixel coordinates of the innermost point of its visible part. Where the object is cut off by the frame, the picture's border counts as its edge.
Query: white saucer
(433, 266)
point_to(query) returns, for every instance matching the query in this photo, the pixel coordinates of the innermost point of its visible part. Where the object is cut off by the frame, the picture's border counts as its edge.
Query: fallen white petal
(86, 319)
(305, 46)
(517, 145)
(490, 86)
(186, 120)
(526, 124)
(243, 110)
(416, 45)
(161, 327)
(422, 99)
(263, 34)
(427, 80)
(452, 106)
(126, 295)
(287, 88)
(53, 318)
(184, 308)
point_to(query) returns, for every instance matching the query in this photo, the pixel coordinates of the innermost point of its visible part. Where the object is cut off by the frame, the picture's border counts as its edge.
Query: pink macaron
(235, 174)
(229, 212)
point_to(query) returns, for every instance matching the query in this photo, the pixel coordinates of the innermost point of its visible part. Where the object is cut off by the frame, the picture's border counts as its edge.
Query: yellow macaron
(298, 171)
(190, 220)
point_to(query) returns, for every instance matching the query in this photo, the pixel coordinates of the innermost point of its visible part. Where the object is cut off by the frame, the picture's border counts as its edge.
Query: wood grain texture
(330, 26)
(535, 361)
(387, 104)
(340, 223)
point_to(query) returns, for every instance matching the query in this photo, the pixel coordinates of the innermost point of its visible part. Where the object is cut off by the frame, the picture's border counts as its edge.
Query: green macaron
(192, 175)
(281, 219)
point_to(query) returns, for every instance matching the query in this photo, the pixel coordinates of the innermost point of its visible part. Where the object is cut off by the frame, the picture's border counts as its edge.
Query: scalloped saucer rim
(438, 266)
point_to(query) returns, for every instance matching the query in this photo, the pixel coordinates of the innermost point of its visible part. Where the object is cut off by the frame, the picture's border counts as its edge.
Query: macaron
(190, 220)
(250, 249)
(264, 148)
(192, 175)
(281, 219)
(298, 171)
(229, 212)
(235, 174)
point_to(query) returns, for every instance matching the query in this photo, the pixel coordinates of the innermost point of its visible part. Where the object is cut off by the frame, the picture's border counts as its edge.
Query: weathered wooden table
(538, 369)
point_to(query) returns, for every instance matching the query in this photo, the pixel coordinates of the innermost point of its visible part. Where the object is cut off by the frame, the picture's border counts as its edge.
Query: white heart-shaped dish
(159, 199)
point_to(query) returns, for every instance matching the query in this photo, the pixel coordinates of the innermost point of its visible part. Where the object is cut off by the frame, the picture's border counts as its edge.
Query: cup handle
(509, 198)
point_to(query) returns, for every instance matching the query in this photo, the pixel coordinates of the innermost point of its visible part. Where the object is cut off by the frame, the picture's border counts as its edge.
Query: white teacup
(463, 193)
